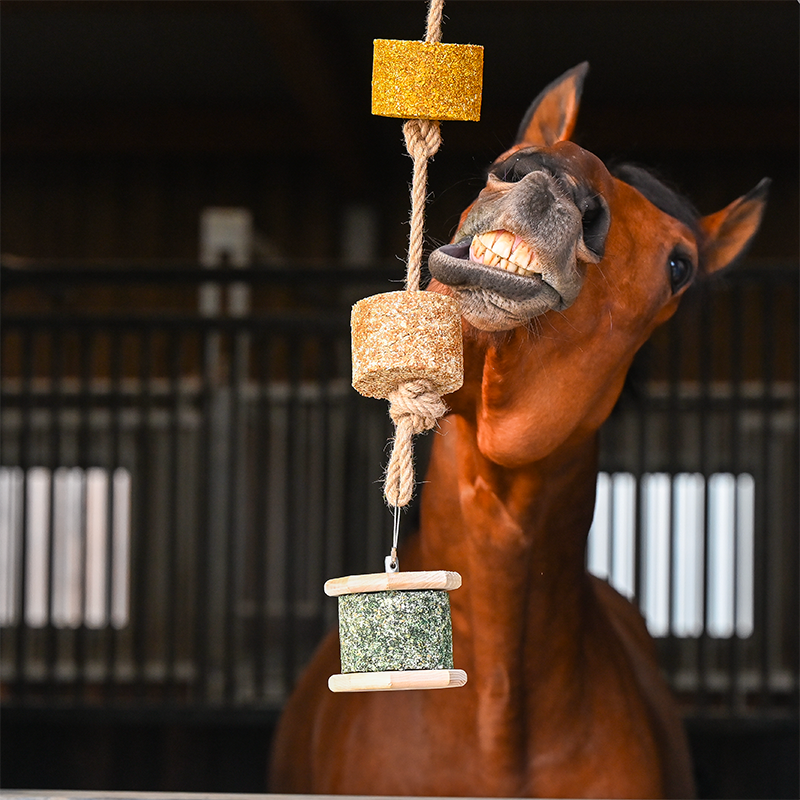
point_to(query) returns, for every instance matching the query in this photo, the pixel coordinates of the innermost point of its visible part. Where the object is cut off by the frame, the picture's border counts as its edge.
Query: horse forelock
(658, 192)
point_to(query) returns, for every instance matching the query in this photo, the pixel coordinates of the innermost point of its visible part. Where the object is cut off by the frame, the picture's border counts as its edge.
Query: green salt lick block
(395, 630)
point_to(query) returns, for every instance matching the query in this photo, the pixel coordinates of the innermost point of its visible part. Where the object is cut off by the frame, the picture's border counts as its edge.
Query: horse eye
(680, 271)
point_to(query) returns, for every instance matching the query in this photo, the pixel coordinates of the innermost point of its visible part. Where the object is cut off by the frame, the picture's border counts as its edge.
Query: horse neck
(516, 536)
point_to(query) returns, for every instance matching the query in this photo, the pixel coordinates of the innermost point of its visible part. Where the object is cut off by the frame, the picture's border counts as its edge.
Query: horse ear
(551, 117)
(728, 232)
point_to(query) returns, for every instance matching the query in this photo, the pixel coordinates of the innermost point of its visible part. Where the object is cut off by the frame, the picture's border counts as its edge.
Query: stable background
(121, 123)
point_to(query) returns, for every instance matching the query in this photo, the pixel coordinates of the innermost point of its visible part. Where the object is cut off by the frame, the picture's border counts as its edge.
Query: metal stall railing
(700, 473)
(175, 490)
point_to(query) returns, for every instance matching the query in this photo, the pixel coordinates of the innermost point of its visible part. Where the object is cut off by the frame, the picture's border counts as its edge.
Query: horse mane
(662, 195)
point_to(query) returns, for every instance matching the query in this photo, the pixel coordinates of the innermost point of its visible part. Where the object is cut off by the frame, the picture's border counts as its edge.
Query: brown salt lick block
(406, 336)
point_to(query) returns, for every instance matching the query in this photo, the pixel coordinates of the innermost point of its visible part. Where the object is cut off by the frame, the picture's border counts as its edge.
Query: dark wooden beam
(306, 57)
(692, 128)
(194, 129)
(656, 127)
(135, 129)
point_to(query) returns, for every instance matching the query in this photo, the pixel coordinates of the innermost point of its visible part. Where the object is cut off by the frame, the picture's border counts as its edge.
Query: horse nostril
(514, 168)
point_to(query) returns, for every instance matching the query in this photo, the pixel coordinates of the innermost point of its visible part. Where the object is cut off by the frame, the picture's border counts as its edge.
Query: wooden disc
(393, 581)
(397, 681)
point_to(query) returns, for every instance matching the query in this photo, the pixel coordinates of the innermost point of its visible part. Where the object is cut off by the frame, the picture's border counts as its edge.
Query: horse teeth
(503, 244)
(477, 250)
(504, 250)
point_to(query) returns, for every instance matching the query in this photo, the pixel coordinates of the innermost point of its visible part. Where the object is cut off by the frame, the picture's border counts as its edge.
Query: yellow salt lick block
(406, 336)
(427, 80)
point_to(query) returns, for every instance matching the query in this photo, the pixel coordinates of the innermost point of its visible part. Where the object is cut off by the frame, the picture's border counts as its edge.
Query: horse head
(563, 268)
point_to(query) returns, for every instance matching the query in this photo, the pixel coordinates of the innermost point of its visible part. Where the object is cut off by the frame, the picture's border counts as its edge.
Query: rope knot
(423, 137)
(415, 407)
(417, 401)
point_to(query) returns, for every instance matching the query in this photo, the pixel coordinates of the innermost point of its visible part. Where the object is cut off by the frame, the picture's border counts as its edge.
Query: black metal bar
(201, 686)
(705, 300)
(189, 272)
(232, 637)
(377, 534)
(736, 341)
(19, 686)
(294, 354)
(326, 371)
(793, 556)
(641, 466)
(329, 323)
(141, 533)
(87, 345)
(763, 557)
(262, 435)
(171, 592)
(611, 544)
(55, 461)
(115, 406)
(354, 511)
(613, 435)
(612, 513)
(674, 437)
(13, 618)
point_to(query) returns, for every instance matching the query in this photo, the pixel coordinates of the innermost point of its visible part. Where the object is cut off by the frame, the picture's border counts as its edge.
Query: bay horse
(562, 269)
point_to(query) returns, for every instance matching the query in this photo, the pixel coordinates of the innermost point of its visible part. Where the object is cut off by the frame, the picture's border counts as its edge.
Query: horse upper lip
(458, 250)
(452, 265)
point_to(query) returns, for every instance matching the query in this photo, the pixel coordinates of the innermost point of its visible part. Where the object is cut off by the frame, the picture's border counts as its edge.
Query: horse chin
(493, 299)
(490, 311)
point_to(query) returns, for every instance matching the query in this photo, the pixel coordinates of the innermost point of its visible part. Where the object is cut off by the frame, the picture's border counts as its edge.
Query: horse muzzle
(522, 248)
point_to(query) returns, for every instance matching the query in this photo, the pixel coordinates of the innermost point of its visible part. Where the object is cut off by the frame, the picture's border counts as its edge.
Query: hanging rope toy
(394, 628)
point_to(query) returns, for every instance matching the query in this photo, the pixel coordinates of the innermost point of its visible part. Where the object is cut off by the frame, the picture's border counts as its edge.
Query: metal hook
(391, 562)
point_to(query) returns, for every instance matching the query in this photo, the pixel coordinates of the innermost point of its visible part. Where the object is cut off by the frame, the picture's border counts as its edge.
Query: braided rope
(423, 139)
(415, 406)
(433, 24)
